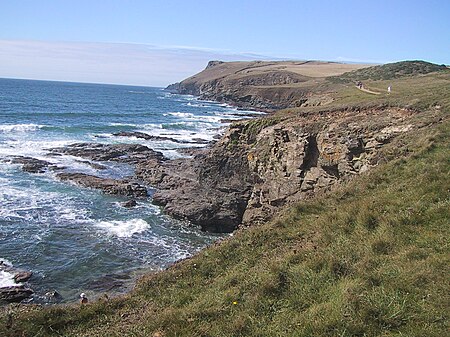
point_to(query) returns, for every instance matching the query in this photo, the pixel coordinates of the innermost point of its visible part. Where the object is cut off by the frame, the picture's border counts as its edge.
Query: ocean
(76, 239)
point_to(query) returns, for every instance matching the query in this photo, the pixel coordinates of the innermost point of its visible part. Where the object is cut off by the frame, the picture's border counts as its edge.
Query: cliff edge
(263, 85)
(262, 165)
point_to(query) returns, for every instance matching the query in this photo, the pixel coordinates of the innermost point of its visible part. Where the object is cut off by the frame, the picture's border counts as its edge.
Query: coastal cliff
(263, 85)
(260, 166)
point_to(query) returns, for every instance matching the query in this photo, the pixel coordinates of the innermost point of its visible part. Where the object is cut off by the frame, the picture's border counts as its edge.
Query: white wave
(122, 124)
(124, 229)
(199, 105)
(5, 262)
(34, 148)
(7, 279)
(173, 250)
(182, 114)
(7, 128)
(66, 212)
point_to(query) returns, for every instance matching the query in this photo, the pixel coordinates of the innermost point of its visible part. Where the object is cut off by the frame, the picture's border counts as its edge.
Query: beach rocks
(19, 275)
(130, 203)
(107, 185)
(15, 294)
(123, 153)
(146, 136)
(31, 165)
(14, 291)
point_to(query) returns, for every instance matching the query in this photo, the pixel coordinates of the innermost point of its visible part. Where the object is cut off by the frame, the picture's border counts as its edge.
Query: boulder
(20, 275)
(15, 294)
(129, 204)
(31, 165)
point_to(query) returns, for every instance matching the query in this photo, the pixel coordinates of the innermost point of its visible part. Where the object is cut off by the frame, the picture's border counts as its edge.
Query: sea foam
(8, 128)
(124, 229)
(7, 279)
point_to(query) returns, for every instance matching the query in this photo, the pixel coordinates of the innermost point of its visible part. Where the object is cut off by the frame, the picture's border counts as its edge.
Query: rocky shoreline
(16, 291)
(258, 166)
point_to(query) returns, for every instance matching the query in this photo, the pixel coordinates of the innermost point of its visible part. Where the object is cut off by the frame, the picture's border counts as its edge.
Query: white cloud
(123, 63)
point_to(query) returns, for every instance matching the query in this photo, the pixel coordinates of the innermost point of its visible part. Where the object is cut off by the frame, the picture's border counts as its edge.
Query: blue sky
(45, 33)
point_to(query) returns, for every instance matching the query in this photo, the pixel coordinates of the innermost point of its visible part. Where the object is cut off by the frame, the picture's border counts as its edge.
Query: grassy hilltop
(369, 258)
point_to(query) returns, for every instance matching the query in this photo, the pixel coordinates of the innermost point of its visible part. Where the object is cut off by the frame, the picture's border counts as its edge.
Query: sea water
(75, 239)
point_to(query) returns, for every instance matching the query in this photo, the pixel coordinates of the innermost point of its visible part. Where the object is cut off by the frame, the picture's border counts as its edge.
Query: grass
(389, 71)
(369, 259)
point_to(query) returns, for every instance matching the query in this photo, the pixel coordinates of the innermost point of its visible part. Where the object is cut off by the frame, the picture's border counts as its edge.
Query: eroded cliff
(264, 85)
(262, 165)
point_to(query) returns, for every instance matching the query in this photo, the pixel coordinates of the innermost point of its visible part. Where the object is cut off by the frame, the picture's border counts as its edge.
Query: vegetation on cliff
(369, 259)
(390, 71)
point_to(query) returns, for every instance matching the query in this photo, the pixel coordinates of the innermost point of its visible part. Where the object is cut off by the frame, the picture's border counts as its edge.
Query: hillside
(390, 71)
(362, 252)
(262, 85)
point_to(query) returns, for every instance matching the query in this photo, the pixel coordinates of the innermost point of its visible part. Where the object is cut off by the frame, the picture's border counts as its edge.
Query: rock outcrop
(16, 292)
(30, 164)
(264, 164)
(109, 186)
(123, 153)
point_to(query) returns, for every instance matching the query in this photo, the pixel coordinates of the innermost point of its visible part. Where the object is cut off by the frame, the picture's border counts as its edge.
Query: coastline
(71, 173)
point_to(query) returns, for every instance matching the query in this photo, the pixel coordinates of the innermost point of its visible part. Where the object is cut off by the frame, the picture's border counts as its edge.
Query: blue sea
(75, 239)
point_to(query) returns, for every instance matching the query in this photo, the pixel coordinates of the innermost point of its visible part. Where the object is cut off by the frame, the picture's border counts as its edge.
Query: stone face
(248, 175)
(108, 186)
(14, 294)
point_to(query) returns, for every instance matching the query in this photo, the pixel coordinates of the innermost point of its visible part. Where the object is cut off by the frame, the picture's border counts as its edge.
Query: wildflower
(235, 302)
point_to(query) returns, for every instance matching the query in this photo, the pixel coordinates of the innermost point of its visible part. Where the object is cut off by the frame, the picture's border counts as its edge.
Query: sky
(154, 42)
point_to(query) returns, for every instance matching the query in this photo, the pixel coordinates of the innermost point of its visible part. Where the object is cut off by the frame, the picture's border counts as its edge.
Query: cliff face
(262, 85)
(262, 165)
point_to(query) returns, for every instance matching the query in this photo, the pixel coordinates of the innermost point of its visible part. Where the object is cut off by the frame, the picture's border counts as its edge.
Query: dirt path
(369, 91)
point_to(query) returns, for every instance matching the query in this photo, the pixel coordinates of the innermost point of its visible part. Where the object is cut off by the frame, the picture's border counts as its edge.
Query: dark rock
(107, 185)
(53, 296)
(130, 203)
(20, 275)
(31, 165)
(133, 134)
(210, 190)
(96, 166)
(123, 153)
(158, 138)
(15, 294)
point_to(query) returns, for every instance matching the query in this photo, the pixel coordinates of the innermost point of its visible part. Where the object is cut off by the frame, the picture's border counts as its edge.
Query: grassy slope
(370, 259)
(239, 70)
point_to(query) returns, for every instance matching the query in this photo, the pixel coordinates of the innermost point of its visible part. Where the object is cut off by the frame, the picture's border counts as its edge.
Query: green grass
(389, 71)
(369, 259)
